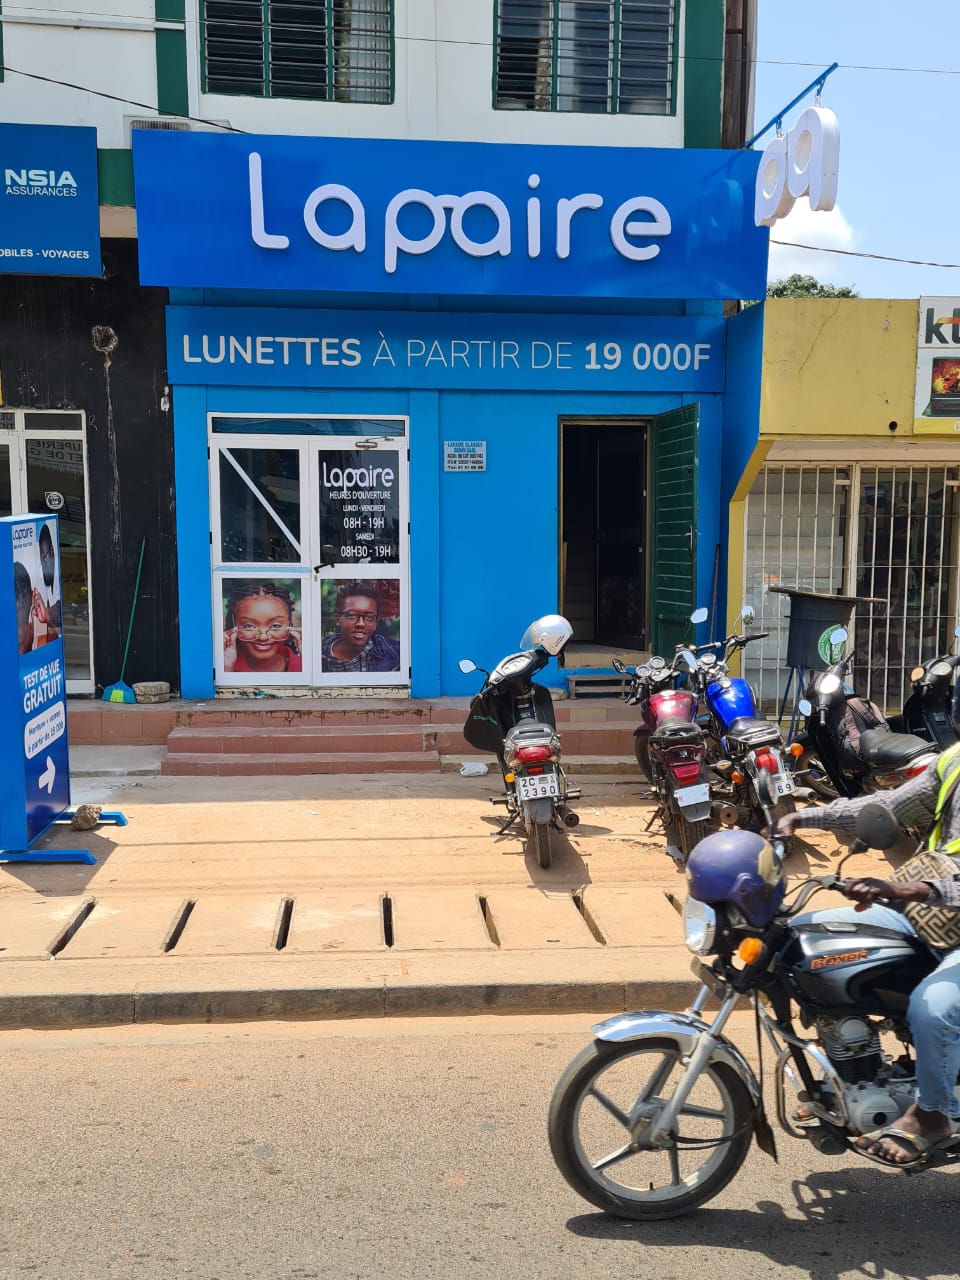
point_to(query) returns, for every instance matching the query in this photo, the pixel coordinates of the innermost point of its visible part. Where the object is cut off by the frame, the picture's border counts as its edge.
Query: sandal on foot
(924, 1147)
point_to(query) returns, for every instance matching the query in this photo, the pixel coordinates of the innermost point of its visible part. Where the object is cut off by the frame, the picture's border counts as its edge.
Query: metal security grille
(881, 531)
(324, 50)
(600, 56)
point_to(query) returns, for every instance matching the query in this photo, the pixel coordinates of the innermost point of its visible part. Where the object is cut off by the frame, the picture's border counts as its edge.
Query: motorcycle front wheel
(609, 1086)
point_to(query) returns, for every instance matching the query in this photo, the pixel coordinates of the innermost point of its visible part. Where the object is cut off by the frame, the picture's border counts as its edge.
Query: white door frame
(305, 577)
(17, 435)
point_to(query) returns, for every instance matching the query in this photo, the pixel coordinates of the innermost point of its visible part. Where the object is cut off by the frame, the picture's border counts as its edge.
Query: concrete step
(242, 739)
(286, 763)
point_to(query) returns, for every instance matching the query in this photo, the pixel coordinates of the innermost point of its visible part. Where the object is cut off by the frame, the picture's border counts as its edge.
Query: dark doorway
(604, 534)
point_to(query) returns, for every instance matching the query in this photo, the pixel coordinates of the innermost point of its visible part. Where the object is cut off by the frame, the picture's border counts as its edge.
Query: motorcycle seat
(676, 732)
(883, 750)
(752, 731)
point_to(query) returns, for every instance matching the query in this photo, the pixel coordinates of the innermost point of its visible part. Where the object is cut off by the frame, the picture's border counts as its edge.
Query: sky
(899, 174)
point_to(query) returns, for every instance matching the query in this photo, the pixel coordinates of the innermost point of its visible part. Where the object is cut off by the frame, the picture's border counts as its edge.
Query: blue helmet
(739, 867)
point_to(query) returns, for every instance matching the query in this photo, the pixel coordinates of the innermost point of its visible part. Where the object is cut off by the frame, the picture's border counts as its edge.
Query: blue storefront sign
(35, 780)
(223, 346)
(388, 216)
(49, 200)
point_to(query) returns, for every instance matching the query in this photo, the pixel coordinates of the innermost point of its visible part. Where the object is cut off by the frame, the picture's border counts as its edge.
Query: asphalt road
(388, 1150)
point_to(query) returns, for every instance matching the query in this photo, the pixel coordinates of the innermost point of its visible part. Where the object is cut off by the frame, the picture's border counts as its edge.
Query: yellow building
(851, 489)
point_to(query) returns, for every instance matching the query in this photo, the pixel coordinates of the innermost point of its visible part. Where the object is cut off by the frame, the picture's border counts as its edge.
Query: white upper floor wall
(442, 72)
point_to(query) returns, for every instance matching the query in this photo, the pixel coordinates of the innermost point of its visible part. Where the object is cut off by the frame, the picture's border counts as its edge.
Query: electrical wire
(129, 102)
(878, 257)
(11, 17)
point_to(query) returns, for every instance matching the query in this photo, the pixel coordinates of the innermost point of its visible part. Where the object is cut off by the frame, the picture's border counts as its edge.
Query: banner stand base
(48, 855)
(63, 855)
(114, 815)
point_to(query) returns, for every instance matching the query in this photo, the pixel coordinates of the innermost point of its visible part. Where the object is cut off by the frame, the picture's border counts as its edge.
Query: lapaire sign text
(375, 215)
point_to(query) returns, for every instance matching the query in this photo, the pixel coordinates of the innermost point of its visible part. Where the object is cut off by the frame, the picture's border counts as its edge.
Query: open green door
(673, 528)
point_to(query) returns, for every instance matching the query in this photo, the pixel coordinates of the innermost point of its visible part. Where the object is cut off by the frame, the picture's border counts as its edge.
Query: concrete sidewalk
(340, 896)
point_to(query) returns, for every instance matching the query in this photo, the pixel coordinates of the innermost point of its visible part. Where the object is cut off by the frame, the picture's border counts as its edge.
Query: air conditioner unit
(173, 124)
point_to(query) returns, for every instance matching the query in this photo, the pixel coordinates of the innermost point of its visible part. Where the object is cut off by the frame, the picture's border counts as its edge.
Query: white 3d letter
(499, 242)
(355, 236)
(258, 231)
(394, 239)
(620, 228)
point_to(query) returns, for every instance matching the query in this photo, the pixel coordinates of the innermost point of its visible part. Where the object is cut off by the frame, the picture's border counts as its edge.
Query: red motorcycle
(671, 752)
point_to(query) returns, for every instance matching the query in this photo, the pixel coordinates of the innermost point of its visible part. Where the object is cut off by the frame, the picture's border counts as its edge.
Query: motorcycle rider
(931, 802)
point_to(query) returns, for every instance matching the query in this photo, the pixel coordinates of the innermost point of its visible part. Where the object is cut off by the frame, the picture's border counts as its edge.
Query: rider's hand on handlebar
(867, 890)
(787, 825)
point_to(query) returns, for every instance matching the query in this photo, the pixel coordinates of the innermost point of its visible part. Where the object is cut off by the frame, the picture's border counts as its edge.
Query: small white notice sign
(464, 455)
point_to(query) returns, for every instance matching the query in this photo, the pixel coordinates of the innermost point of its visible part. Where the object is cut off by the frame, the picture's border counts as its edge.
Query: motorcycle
(930, 710)
(513, 718)
(838, 755)
(655, 1117)
(742, 744)
(670, 750)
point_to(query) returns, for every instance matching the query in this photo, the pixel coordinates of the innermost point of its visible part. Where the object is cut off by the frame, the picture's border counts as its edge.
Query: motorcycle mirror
(467, 665)
(805, 706)
(689, 659)
(877, 827)
(839, 636)
(748, 615)
(698, 616)
(618, 666)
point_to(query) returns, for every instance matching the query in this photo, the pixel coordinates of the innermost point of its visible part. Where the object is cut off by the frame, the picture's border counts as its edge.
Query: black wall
(50, 329)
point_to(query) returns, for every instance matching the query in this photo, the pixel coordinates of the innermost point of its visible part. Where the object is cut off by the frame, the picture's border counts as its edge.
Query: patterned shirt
(913, 804)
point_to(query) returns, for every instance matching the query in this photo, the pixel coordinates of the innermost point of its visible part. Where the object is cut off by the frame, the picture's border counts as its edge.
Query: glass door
(43, 467)
(309, 545)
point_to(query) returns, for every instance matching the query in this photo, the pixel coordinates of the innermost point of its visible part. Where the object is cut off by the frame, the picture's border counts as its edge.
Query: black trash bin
(813, 615)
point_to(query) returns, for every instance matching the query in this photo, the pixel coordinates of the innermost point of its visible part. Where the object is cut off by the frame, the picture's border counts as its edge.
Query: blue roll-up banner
(49, 200)
(35, 779)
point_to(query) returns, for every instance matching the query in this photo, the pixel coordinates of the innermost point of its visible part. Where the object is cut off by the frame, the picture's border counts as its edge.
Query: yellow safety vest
(948, 769)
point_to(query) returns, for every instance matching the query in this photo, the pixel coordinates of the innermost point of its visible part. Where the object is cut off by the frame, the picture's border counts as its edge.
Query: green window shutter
(703, 41)
(673, 541)
(602, 57)
(316, 50)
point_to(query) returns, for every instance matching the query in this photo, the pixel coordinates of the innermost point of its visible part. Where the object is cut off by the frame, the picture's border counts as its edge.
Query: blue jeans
(933, 1014)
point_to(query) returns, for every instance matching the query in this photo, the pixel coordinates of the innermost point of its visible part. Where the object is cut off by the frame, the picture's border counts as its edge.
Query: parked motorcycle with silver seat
(655, 1117)
(513, 718)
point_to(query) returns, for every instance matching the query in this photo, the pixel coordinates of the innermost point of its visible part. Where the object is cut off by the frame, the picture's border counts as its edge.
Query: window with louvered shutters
(323, 50)
(599, 56)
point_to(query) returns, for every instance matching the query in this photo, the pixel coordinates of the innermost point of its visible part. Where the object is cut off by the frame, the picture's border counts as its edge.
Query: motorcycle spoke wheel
(542, 842)
(606, 1089)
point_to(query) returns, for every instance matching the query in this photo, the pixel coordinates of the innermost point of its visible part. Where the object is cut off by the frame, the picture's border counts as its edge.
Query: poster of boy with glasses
(360, 621)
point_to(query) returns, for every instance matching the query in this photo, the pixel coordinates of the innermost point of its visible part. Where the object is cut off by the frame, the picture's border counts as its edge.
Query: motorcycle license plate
(783, 784)
(699, 794)
(538, 786)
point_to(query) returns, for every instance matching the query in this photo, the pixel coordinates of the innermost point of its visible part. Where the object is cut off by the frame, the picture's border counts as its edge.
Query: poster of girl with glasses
(262, 627)
(361, 622)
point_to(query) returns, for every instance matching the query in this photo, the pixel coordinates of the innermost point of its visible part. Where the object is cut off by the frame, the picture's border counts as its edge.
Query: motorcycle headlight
(699, 926)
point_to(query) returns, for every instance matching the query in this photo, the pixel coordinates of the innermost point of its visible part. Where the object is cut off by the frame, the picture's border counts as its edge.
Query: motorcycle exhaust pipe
(568, 817)
(725, 813)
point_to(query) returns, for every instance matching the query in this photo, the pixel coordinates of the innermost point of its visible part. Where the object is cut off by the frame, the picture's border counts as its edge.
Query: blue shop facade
(412, 421)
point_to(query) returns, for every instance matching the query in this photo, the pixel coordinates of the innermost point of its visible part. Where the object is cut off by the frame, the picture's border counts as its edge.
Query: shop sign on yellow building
(937, 405)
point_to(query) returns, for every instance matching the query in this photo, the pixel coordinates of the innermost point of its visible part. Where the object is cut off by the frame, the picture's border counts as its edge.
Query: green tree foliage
(799, 286)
